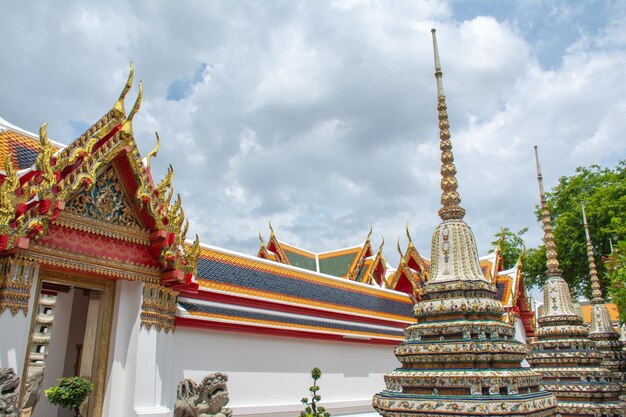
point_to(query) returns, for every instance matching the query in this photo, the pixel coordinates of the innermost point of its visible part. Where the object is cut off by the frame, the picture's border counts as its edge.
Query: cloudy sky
(321, 116)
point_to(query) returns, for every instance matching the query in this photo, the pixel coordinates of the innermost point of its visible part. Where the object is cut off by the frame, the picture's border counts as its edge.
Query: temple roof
(20, 144)
(246, 293)
(41, 176)
(350, 263)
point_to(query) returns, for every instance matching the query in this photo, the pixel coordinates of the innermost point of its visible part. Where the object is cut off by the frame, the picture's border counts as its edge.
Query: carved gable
(105, 202)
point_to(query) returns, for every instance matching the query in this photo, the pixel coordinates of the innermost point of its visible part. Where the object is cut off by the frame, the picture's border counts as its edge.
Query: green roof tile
(337, 266)
(301, 261)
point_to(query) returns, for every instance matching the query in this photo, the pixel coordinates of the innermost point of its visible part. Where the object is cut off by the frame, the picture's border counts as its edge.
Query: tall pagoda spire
(459, 357)
(563, 353)
(596, 291)
(450, 198)
(548, 238)
(602, 331)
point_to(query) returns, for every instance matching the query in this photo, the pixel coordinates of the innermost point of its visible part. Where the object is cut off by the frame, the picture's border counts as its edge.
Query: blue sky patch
(183, 87)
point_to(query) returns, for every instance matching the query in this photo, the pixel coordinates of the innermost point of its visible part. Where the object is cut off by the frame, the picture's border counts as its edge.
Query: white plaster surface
(268, 375)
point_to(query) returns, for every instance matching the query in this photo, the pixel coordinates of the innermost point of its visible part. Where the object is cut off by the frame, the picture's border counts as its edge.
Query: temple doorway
(69, 336)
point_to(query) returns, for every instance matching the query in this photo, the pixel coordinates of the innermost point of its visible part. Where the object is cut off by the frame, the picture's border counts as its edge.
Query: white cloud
(321, 116)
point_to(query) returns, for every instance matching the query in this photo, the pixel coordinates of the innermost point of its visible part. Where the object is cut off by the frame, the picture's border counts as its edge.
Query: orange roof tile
(612, 308)
(22, 148)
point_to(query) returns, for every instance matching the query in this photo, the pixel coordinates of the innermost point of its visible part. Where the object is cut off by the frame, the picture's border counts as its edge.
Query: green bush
(312, 409)
(69, 392)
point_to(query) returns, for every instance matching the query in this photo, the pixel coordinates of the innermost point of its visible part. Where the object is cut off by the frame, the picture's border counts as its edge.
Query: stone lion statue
(9, 384)
(206, 399)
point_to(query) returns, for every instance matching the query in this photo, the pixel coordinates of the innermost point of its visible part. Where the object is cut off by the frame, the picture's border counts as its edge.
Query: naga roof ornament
(563, 353)
(459, 358)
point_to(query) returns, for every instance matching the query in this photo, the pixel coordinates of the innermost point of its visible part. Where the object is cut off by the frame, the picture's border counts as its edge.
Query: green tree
(603, 191)
(511, 245)
(616, 267)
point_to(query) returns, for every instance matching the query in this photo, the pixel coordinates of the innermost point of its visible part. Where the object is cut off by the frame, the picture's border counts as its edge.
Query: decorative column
(562, 353)
(154, 343)
(17, 295)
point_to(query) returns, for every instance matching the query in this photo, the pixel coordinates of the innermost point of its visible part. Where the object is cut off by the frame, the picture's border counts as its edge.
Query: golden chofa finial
(450, 198)
(408, 235)
(154, 151)
(596, 291)
(127, 126)
(399, 249)
(118, 108)
(272, 234)
(548, 238)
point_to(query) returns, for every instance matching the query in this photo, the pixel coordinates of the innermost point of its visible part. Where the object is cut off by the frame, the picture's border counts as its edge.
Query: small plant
(312, 409)
(70, 393)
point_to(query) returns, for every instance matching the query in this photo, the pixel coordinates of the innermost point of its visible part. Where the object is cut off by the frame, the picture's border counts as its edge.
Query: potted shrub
(70, 393)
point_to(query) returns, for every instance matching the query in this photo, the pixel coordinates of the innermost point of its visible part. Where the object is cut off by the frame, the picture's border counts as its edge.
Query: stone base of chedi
(569, 362)
(460, 358)
(206, 399)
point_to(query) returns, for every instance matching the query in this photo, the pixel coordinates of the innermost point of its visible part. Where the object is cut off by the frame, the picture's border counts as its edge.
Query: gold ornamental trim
(16, 278)
(158, 307)
(60, 258)
(84, 224)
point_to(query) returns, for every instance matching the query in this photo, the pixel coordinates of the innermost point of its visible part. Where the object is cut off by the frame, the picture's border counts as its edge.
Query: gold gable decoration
(105, 202)
(16, 278)
(31, 199)
(158, 307)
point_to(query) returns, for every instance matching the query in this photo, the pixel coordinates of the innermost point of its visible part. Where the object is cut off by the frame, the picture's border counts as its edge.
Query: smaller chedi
(602, 331)
(459, 358)
(563, 353)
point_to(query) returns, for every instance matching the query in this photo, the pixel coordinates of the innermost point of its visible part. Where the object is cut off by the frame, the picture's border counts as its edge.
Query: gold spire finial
(119, 105)
(450, 198)
(438, 72)
(261, 238)
(596, 292)
(272, 234)
(548, 238)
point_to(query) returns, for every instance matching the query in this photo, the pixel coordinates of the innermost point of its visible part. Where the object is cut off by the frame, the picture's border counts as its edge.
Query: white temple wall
(154, 389)
(268, 375)
(13, 348)
(520, 334)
